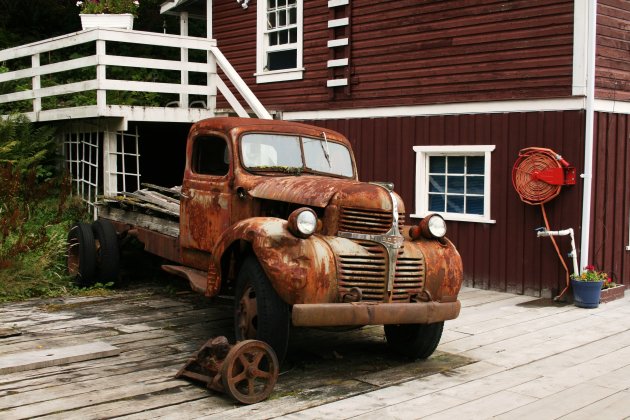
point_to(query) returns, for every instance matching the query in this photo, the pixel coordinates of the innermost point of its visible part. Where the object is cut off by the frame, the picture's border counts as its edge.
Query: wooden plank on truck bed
(147, 221)
(174, 191)
(156, 199)
(138, 202)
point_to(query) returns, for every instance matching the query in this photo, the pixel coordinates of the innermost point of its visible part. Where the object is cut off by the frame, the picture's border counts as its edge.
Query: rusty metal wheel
(250, 371)
(259, 313)
(81, 257)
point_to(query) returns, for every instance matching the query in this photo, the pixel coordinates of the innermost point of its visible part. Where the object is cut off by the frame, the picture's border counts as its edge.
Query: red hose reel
(539, 174)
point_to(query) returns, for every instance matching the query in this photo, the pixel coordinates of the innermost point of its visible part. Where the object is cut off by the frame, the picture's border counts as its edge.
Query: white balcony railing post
(101, 75)
(183, 29)
(37, 84)
(211, 100)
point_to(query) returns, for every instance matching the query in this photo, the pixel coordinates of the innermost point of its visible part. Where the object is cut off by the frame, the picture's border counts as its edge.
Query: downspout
(588, 134)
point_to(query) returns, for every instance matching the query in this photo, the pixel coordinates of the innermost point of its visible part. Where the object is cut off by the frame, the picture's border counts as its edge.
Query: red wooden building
(440, 96)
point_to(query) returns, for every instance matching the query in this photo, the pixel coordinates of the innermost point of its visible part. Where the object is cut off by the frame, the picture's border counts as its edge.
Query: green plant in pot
(587, 286)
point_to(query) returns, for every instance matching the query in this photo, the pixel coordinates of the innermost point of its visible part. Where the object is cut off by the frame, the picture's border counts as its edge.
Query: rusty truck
(273, 213)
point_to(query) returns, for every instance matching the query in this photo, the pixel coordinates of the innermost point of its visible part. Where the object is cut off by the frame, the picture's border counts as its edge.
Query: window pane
(436, 202)
(474, 205)
(282, 3)
(210, 156)
(455, 204)
(455, 184)
(284, 37)
(456, 164)
(437, 164)
(474, 185)
(271, 20)
(271, 4)
(476, 165)
(271, 151)
(338, 161)
(437, 183)
(293, 16)
(282, 18)
(293, 36)
(291, 1)
(273, 38)
(279, 60)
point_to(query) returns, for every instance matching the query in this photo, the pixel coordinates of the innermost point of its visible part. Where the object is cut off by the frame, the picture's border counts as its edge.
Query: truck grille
(368, 221)
(369, 274)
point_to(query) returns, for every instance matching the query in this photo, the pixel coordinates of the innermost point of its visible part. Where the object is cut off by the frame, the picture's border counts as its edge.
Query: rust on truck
(274, 210)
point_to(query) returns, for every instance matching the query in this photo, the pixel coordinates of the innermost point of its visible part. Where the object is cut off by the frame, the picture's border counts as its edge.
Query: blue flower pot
(586, 293)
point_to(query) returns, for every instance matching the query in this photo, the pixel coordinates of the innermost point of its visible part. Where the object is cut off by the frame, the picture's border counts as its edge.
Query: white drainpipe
(588, 133)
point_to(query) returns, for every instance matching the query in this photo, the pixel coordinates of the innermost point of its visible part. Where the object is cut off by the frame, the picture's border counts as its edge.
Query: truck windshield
(278, 152)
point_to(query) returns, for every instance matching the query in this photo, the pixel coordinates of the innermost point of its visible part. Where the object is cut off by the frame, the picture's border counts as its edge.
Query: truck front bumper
(372, 313)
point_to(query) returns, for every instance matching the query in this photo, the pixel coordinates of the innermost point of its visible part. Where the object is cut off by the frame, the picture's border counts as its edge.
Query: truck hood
(318, 191)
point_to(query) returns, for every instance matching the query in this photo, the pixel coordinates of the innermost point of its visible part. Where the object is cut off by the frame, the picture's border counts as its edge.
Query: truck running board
(198, 279)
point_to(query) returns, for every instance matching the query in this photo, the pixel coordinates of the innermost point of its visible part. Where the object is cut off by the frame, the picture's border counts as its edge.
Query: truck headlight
(432, 226)
(303, 222)
(435, 226)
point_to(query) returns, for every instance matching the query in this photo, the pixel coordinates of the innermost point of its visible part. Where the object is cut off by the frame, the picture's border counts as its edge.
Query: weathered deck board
(18, 362)
(156, 334)
(532, 357)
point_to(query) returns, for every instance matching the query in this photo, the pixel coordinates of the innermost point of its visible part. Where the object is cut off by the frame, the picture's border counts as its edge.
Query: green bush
(36, 212)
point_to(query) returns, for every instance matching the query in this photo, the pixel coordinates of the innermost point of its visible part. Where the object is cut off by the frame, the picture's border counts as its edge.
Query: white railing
(100, 60)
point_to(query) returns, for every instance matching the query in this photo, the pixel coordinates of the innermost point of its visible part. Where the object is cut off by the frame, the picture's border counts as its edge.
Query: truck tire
(416, 341)
(81, 256)
(259, 313)
(107, 252)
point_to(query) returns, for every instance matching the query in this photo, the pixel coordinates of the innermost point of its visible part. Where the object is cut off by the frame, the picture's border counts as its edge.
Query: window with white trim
(279, 41)
(454, 181)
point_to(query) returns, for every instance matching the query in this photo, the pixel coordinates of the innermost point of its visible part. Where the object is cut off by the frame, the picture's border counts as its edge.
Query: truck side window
(210, 156)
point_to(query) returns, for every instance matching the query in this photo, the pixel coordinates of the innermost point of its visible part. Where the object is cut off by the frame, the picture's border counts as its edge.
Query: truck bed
(153, 207)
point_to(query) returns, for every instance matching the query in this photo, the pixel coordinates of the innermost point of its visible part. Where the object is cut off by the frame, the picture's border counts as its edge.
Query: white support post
(37, 84)
(101, 77)
(211, 100)
(110, 163)
(209, 19)
(183, 30)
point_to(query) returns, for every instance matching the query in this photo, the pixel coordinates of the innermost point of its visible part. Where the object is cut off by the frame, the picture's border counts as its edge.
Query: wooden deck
(506, 354)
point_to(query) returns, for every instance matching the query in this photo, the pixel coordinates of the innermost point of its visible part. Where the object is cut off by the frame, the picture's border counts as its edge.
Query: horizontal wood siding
(613, 50)
(416, 52)
(505, 256)
(611, 197)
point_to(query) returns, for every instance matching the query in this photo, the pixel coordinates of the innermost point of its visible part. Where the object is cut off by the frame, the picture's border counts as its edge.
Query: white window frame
(266, 76)
(422, 179)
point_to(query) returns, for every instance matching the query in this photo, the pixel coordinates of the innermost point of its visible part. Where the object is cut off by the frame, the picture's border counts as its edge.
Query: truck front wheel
(259, 313)
(416, 341)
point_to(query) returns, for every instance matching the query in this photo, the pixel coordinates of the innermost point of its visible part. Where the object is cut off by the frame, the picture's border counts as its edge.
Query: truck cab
(274, 211)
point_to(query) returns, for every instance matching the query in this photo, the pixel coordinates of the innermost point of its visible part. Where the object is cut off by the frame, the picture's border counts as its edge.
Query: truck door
(205, 202)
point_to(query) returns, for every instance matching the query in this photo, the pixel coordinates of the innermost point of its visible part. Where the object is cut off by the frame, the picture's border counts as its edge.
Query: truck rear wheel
(107, 253)
(259, 313)
(81, 257)
(416, 341)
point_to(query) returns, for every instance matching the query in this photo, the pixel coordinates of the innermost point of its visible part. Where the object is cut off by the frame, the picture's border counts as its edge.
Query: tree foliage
(26, 21)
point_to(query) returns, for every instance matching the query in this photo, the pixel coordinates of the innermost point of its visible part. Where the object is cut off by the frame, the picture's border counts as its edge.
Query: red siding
(417, 52)
(505, 256)
(613, 44)
(611, 197)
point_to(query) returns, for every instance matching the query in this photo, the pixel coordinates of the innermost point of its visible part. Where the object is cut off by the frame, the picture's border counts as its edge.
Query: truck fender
(444, 272)
(300, 270)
